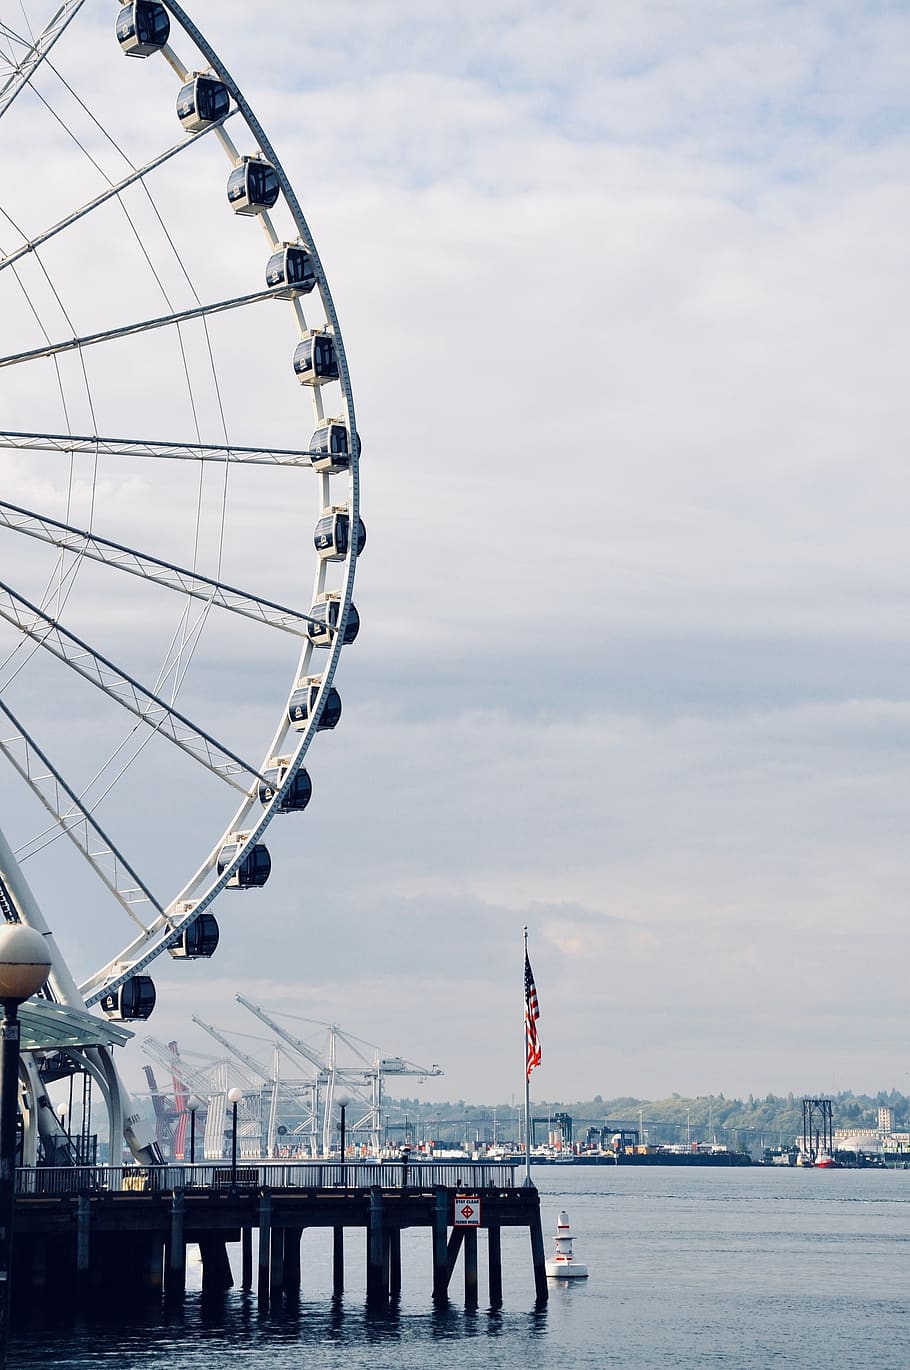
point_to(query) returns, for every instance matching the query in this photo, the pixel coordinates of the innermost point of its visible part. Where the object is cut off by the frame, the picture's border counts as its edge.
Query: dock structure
(94, 1231)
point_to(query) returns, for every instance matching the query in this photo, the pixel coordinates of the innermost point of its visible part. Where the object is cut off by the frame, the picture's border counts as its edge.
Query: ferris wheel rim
(253, 815)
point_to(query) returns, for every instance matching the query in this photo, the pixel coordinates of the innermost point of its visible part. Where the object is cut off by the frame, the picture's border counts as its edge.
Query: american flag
(532, 1013)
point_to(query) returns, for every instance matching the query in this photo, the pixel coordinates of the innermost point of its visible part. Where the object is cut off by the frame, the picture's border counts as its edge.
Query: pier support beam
(175, 1283)
(494, 1257)
(456, 1239)
(440, 1254)
(83, 1241)
(538, 1256)
(38, 1266)
(246, 1258)
(377, 1272)
(470, 1267)
(276, 1272)
(291, 1281)
(337, 1260)
(152, 1270)
(216, 1268)
(394, 1238)
(265, 1245)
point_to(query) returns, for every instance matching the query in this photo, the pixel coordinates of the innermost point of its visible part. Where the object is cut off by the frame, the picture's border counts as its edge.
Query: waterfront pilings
(128, 1229)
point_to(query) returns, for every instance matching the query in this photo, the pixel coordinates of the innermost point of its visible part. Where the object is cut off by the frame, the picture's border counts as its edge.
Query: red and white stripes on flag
(532, 1013)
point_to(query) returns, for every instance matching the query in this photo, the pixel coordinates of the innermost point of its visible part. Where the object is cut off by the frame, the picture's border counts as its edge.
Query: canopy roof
(46, 1026)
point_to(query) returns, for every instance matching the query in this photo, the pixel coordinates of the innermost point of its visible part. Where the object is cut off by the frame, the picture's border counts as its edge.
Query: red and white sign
(467, 1211)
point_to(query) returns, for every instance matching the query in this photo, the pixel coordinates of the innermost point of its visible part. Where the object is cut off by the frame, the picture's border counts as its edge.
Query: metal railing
(350, 1176)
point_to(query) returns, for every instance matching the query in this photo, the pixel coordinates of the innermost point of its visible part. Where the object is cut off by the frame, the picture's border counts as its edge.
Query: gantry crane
(364, 1082)
(299, 1096)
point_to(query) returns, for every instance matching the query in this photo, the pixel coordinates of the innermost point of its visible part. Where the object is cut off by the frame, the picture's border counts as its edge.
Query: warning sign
(467, 1210)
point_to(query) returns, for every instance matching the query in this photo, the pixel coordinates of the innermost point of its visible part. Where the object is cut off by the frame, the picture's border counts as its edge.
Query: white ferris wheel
(179, 536)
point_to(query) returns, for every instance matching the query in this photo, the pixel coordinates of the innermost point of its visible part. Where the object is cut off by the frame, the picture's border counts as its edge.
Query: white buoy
(564, 1266)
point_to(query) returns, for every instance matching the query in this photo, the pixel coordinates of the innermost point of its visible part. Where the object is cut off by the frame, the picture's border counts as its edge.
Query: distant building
(857, 1139)
(885, 1119)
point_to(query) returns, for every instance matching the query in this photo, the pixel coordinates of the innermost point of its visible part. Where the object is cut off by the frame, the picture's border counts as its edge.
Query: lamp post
(24, 966)
(194, 1104)
(343, 1105)
(234, 1097)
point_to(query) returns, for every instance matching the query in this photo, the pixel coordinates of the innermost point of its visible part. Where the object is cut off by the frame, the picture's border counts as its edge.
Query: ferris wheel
(179, 536)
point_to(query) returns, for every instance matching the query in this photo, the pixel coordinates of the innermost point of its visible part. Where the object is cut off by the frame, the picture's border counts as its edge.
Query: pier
(122, 1231)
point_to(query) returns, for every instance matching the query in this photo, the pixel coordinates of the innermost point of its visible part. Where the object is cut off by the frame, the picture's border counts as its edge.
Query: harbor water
(727, 1267)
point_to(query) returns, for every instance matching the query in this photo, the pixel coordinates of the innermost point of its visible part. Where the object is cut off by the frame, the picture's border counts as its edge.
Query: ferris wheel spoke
(130, 330)
(76, 820)
(137, 175)
(149, 447)
(124, 688)
(186, 582)
(35, 53)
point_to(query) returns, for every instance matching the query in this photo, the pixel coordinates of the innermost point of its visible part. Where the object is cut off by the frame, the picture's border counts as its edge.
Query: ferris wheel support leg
(123, 1118)
(29, 1073)
(27, 910)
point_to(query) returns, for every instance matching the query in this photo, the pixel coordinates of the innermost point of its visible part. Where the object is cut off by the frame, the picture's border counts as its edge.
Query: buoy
(564, 1266)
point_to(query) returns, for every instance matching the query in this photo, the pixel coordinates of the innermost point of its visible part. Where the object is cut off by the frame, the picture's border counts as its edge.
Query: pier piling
(377, 1273)
(95, 1232)
(265, 1245)
(337, 1260)
(494, 1259)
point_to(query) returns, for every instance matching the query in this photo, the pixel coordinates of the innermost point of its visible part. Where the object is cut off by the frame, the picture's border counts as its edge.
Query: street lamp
(343, 1102)
(234, 1097)
(24, 965)
(193, 1105)
(343, 1105)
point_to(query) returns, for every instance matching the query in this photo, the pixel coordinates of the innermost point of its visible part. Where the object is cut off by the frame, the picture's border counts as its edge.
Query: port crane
(299, 1099)
(209, 1087)
(364, 1082)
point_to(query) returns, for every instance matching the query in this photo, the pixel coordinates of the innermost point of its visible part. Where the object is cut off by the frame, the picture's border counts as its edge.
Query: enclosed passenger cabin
(134, 999)
(326, 613)
(329, 447)
(198, 940)
(142, 28)
(298, 793)
(290, 271)
(315, 359)
(202, 101)
(252, 872)
(302, 704)
(252, 186)
(332, 535)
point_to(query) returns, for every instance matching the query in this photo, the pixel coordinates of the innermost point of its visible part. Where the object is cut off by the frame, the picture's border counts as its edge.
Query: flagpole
(528, 1180)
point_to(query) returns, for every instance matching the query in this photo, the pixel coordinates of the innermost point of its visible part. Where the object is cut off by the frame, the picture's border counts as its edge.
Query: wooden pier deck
(85, 1231)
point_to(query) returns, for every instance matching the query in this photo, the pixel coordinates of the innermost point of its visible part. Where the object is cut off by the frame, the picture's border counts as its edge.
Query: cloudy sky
(625, 298)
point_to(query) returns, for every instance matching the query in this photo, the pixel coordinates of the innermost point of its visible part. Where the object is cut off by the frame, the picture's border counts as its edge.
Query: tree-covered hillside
(774, 1120)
